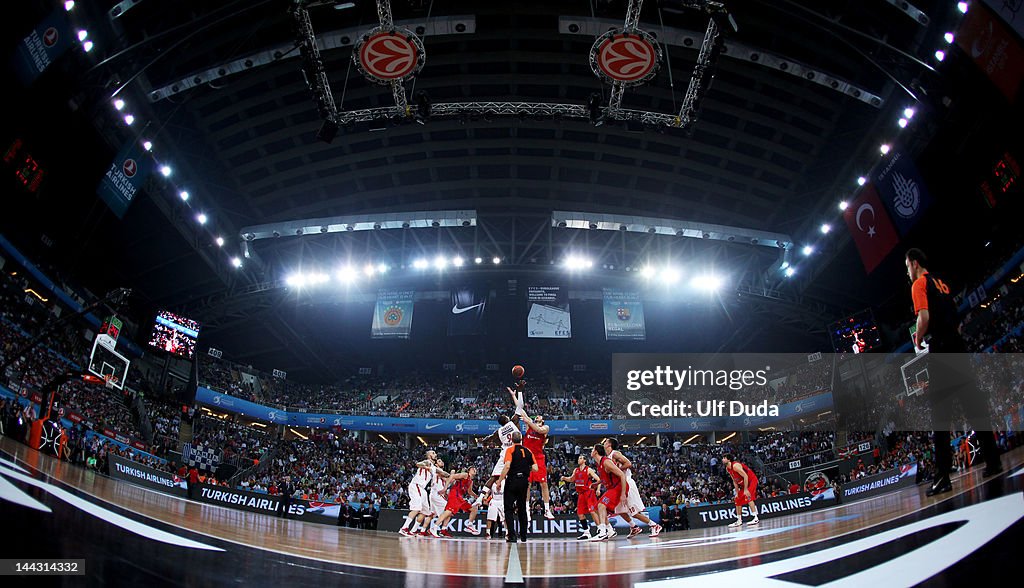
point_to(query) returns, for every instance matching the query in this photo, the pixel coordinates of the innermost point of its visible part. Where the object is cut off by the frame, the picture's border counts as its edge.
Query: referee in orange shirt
(950, 375)
(519, 463)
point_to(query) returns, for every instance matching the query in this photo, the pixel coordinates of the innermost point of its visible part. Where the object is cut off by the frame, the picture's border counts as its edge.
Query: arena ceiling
(793, 115)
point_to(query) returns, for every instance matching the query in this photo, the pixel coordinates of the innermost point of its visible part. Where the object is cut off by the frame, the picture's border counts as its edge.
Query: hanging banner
(623, 316)
(126, 175)
(870, 228)
(901, 188)
(993, 46)
(467, 313)
(392, 315)
(43, 46)
(549, 315)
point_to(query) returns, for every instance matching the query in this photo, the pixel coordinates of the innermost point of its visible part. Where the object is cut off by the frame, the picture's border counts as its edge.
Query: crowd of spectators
(228, 438)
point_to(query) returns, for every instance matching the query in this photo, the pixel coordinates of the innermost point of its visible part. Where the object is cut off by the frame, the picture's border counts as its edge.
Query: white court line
(110, 516)
(514, 575)
(12, 493)
(11, 464)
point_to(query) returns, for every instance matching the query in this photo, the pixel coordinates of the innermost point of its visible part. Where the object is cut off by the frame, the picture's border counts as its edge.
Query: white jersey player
(631, 506)
(496, 509)
(419, 503)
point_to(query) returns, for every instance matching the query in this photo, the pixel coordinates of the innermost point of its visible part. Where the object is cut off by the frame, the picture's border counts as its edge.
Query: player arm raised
(542, 429)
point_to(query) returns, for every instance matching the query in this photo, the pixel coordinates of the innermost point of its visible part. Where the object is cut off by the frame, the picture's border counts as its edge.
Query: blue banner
(418, 426)
(392, 315)
(125, 177)
(902, 189)
(623, 316)
(43, 46)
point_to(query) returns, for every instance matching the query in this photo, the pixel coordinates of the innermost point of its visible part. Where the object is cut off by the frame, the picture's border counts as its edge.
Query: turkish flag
(871, 228)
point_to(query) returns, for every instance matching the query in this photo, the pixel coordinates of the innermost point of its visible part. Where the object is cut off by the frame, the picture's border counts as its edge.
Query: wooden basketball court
(132, 535)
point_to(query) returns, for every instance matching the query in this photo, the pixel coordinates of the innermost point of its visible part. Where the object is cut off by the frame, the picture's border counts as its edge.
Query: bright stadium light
(129, 119)
(69, 5)
(948, 37)
(940, 55)
(790, 272)
(440, 262)
(670, 275)
(83, 35)
(885, 148)
(808, 250)
(87, 46)
(478, 260)
(119, 105)
(165, 170)
(902, 123)
(861, 181)
(457, 261)
(708, 283)
(844, 205)
(201, 218)
(420, 264)
(495, 260)
(826, 229)
(575, 262)
(647, 272)
(220, 241)
(295, 280)
(370, 269)
(908, 113)
(237, 262)
(784, 265)
(382, 268)
(347, 274)
(183, 195)
(147, 145)
(961, 6)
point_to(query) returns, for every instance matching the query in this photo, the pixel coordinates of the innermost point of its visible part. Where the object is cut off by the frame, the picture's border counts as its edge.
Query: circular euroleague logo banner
(625, 58)
(50, 37)
(129, 167)
(384, 56)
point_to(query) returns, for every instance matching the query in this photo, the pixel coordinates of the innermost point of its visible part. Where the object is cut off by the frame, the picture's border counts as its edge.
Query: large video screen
(175, 334)
(856, 334)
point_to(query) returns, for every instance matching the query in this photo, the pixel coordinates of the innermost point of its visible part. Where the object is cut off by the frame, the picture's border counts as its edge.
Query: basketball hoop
(110, 381)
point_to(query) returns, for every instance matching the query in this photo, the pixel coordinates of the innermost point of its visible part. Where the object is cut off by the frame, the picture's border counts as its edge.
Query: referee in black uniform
(949, 370)
(519, 463)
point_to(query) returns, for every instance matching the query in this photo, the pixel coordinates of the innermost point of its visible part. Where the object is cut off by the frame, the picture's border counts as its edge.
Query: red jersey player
(745, 482)
(534, 439)
(615, 486)
(586, 496)
(460, 490)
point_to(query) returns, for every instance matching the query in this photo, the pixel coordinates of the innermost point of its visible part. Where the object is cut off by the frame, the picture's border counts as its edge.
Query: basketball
(518, 372)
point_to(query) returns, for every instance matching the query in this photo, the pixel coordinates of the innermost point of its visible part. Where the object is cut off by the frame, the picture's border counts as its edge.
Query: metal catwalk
(131, 536)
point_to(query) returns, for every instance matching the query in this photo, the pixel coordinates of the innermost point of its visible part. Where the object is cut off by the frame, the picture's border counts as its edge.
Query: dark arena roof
(727, 161)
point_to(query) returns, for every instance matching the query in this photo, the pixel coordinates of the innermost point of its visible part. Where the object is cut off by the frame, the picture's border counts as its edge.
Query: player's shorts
(631, 503)
(586, 503)
(752, 487)
(418, 499)
(437, 503)
(496, 509)
(457, 504)
(541, 475)
(611, 497)
(500, 466)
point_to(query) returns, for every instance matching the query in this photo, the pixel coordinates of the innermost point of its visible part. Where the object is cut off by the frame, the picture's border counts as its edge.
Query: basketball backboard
(105, 362)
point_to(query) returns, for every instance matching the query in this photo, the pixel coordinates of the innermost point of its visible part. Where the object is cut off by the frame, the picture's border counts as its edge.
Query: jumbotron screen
(855, 334)
(175, 334)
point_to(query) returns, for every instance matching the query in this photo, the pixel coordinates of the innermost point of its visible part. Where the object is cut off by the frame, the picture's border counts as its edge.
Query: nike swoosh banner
(125, 178)
(549, 315)
(902, 189)
(623, 316)
(43, 46)
(466, 313)
(870, 228)
(392, 315)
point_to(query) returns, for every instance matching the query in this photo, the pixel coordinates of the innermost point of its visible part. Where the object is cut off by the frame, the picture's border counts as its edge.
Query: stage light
(201, 218)
(807, 250)
(220, 241)
(69, 5)
(844, 205)
(87, 46)
(183, 195)
(496, 260)
(577, 263)
(440, 262)
(902, 123)
(826, 228)
(861, 181)
(961, 6)
(647, 272)
(369, 270)
(940, 55)
(382, 268)
(708, 283)
(420, 263)
(478, 260)
(147, 145)
(165, 170)
(129, 119)
(885, 148)
(347, 274)
(83, 35)
(784, 265)
(670, 276)
(236, 262)
(948, 37)
(790, 272)
(118, 104)
(908, 113)
(457, 261)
